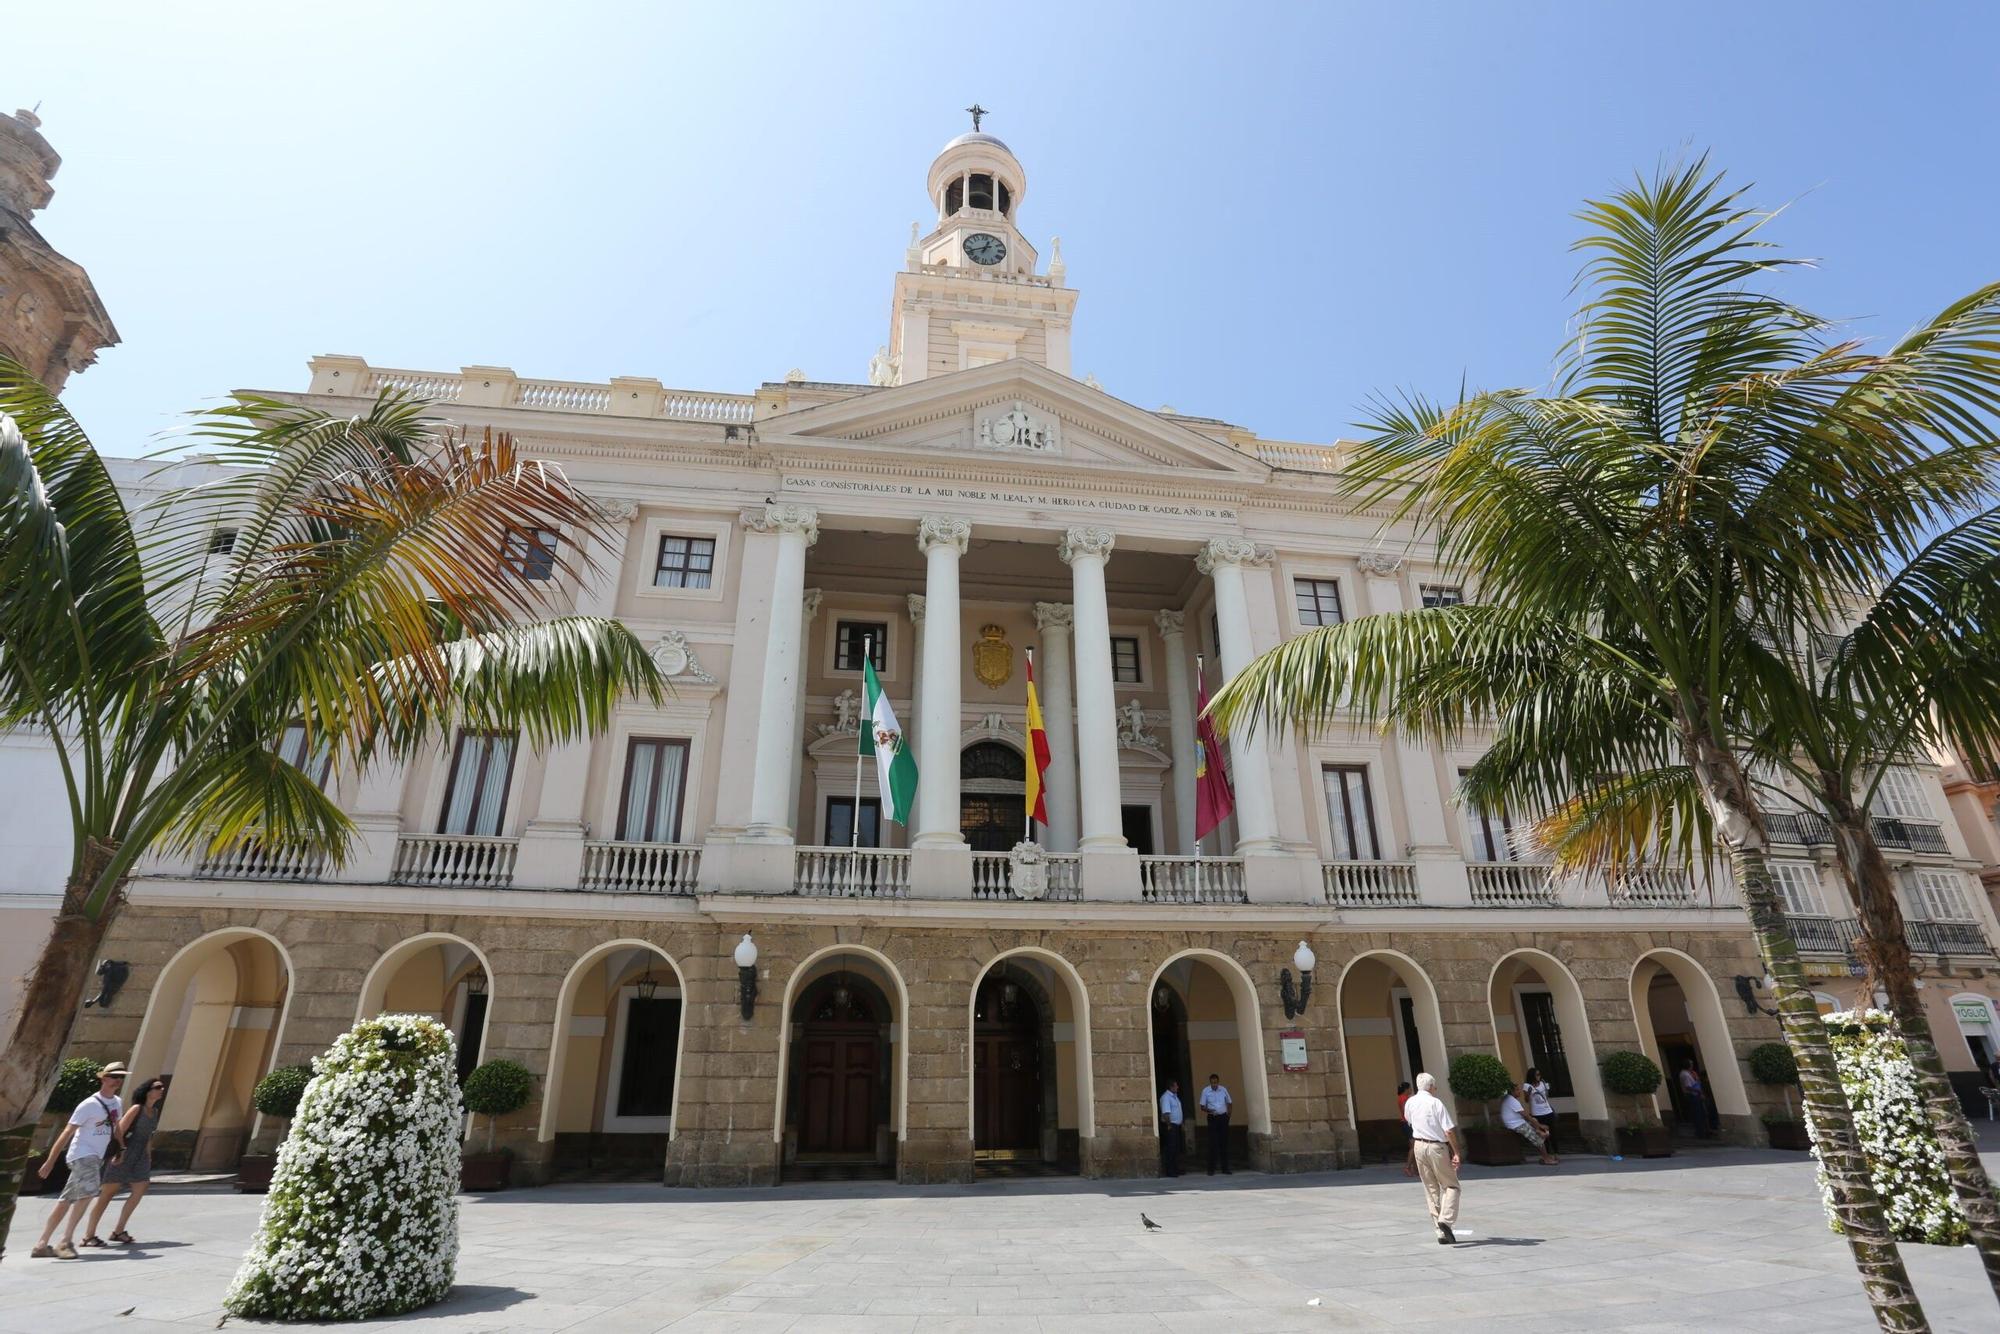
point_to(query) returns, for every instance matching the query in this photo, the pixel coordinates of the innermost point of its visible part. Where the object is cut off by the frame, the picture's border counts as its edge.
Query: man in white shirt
(89, 1136)
(1170, 1130)
(1436, 1147)
(1515, 1117)
(1215, 1100)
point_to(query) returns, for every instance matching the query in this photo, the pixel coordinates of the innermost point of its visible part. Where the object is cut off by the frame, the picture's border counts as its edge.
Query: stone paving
(1723, 1240)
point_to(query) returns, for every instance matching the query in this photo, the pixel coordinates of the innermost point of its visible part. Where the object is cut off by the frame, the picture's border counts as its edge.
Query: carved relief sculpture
(676, 659)
(993, 657)
(1017, 428)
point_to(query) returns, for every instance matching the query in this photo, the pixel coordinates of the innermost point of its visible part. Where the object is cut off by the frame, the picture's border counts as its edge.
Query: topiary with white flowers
(1903, 1155)
(362, 1218)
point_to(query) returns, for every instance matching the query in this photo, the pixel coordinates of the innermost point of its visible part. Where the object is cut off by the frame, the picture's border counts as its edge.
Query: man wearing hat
(90, 1137)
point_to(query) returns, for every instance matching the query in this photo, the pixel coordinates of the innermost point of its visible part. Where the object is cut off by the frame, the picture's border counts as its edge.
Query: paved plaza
(1717, 1241)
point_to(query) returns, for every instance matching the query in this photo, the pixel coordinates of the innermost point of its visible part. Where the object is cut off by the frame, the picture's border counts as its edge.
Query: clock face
(984, 248)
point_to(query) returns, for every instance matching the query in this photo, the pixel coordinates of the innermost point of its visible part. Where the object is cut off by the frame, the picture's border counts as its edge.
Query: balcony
(1824, 935)
(1836, 935)
(1651, 887)
(852, 873)
(993, 877)
(252, 860)
(1370, 884)
(640, 868)
(1800, 829)
(1191, 880)
(1914, 835)
(1512, 884)
(454, 861)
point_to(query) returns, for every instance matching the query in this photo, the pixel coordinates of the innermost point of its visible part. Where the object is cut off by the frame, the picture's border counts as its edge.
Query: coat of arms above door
(993, 657)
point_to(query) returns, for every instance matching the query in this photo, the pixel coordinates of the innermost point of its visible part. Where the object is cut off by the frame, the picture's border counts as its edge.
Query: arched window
(992, 759)
(954, 196)
(980, 192)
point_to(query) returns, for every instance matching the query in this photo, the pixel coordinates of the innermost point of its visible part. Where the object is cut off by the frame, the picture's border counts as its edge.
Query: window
(1798, 887)
(840, 822)
(1319, 601)
(851, 636)
(291, 748)
(1901, 797)
(1941, 897)
(685, 562)
(1350, 813)
(1441, 595)
(1125, 659)
(979, 193)
(222, 541)
(475, 800)
(531, 553)
(655, 777)
(1545, 1043)
(1488, 834)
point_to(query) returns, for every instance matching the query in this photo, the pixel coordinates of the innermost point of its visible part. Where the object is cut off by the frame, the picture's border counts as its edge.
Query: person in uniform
(1170, 1130)
(1215, 1100)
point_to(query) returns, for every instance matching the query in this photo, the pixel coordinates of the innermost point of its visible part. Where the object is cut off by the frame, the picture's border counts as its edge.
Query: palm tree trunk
(42, 1027)
(1856, 1207)
(1888, 959)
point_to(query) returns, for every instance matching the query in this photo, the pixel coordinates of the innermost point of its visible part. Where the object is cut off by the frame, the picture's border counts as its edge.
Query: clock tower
(969, 294)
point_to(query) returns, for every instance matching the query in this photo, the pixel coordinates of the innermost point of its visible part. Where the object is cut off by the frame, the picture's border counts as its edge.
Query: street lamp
(1304, 960)
(746, 974)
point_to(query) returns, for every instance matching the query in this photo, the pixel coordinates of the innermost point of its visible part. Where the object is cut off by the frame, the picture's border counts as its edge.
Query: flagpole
(1030, 651)
(854, 824)
(1199, 686)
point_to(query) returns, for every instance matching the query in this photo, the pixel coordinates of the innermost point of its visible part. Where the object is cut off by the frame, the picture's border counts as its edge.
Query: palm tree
(366, 596)
(1705, 447)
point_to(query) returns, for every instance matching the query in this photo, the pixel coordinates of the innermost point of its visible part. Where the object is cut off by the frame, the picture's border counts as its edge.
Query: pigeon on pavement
(1151, 1226)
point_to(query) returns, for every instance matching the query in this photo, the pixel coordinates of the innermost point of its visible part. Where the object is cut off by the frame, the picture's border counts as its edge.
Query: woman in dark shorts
(133, 1169)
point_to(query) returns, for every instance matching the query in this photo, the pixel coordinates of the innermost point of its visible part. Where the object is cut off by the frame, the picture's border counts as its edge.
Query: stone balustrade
(1191, 880)
(640, 868)
(491, 386)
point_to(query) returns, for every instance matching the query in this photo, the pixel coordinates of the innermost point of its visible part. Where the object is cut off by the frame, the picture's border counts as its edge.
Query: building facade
(51, 320)
(935, 1001)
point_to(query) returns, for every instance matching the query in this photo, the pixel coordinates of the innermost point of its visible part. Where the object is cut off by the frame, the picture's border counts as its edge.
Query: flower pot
(1645, 1142)
(1492, 1146)
(1788, 1135)
(253, 1173)
(485, 1171)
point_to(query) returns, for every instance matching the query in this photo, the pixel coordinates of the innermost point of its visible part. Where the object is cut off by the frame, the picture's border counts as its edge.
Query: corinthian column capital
(1171, 622)
(943, 530)
(783, 518)
(1085, 542)
(1057, 616)
(1232, 551)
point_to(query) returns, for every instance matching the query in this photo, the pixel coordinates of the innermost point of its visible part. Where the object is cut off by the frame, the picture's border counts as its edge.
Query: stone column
(943, 540)
(551, 851)
(1180, 718)
(912, 724)
(1109, 868)
(1054, 620)
(812, 602)
(772, 792)
(1223, 561)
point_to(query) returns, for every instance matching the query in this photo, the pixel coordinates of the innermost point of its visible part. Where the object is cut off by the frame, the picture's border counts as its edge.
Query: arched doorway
(614, 1060)
(1032, 1105)
(1539, 1022)
(992, 786)
(1390, 1032)
(438, 975)
(1680, 1018)
(1210, 1024)
(213, 1022)
(841, 1085)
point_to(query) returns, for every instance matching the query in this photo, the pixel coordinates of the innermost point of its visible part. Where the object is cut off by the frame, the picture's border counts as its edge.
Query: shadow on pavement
(467, 1299)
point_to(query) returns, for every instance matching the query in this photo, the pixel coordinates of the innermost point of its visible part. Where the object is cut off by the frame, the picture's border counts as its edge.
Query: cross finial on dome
(977, 111)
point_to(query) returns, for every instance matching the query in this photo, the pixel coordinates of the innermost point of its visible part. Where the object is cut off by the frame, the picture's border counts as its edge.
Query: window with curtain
(1319, 601)
(655, 778)
(685, 562)
(1441, 595)
(1488, 834)
(1350, 812)
(530, 553)
(1798, 885)
(1901, 797)
(1941, 897)
(293, 749)
(475, 800)
(1124, 660)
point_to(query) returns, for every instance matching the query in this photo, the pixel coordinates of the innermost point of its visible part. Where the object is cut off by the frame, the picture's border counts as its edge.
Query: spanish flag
(1038, 752)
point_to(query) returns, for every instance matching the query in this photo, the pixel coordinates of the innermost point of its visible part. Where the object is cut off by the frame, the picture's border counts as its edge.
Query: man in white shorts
(89, 1136)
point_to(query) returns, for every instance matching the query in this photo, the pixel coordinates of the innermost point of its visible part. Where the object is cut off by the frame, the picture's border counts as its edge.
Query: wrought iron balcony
(1836, 935)
(1917, 836)
(1824, 935)
(1801, 828)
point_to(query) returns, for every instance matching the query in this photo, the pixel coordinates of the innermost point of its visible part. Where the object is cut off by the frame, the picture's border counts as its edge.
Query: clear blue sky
(1271, 212)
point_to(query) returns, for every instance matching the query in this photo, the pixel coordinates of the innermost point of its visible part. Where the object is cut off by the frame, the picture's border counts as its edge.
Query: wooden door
(1007, 1108)
(837, 1090)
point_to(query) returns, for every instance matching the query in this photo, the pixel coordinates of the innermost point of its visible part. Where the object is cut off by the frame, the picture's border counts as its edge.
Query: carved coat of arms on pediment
(1017, 426)
(993, 657)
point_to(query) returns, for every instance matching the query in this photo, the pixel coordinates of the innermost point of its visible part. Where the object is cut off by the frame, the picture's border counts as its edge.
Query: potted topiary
(1631, 1075)
(276, 1095)
(1481, 1078)
(1773, 1065)
(75, 1081)
(494, 1090)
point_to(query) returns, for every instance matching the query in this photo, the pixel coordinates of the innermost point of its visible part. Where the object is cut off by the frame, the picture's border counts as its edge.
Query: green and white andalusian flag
(882, 737)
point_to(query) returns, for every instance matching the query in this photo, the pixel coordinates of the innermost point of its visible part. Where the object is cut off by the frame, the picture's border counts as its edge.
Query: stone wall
(730, 1068)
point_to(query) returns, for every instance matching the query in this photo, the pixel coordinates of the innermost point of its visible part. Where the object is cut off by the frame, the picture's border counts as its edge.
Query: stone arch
(566, 997)
(1715, 1047)
(375, 987)
(1249, 1034)
(1080, 1073)
(213, 1020)
(1429, 1031)
(802, 976)
(1572, 1020)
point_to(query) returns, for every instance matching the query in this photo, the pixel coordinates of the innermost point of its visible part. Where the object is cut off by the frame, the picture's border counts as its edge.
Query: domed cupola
(977, 184)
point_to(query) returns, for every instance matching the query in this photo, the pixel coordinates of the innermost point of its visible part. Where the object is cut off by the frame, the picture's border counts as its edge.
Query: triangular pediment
(1012, 409)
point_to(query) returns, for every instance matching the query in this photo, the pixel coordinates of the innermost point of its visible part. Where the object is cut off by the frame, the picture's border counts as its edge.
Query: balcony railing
(1512, 884)
(252, 860)
(1961, 938)
(1913, 835)
(1370, 884)
(640, 868)
(1191, 880)
(1801, 828)
(993, 877)
(1651, 887)
(853, 873)
(458, 861)
(1824, 935)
